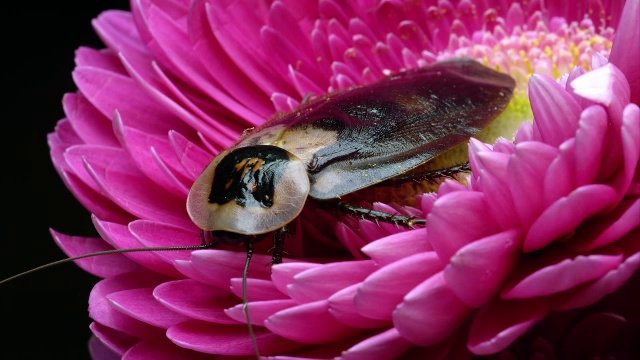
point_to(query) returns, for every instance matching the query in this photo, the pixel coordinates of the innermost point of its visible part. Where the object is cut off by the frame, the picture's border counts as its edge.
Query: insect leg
(208, 240)
(306, 98)
(429, 175)
(374, 215)
(278, 245)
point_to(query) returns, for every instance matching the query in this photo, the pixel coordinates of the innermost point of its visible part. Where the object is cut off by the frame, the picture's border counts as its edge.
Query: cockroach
(337, 144)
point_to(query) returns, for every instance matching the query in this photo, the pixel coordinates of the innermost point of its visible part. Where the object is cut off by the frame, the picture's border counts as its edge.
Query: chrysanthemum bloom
(544, 231)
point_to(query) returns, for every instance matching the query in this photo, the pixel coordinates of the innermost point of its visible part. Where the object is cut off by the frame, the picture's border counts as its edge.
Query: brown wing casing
(345, 141)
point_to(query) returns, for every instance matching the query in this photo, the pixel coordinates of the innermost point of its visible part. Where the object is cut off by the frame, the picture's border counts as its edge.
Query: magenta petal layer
(531, 253)
(430, 313)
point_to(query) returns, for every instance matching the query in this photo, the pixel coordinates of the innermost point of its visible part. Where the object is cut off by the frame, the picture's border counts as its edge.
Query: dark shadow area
(44, 315)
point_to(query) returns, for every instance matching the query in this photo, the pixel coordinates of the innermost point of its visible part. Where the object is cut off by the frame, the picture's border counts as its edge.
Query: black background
(44, 315)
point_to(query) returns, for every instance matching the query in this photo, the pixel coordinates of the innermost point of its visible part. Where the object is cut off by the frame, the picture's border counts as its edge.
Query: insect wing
(377, 131)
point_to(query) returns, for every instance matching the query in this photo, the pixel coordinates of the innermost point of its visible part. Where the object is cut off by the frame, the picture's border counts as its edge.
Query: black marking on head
(249, 175)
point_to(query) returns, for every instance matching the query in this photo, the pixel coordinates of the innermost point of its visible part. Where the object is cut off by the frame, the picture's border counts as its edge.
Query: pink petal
(195, 300)
(234, 80)
(430, 313)
(187, 270)
(94, 201)
(607, 284)
(476, 272)
(386, 345)
(101, 266)
(109, 92)
(492, 169)
(99, 351)
(605, 85)
(224, 127)
(453, 347)
(103, 59)
(342, 307)
(76, 157)
(283, 103)
(625, 51)
(257, 290)
(226, 339)
(554, 110)
(87, 194)
(242, 45)
(450, 186)
(526, 172)
(560, 178)
(445, 233)
(564, 215)
(477, 148)
(425, 202)
(501, 322)
(176, 48)
(218, 267)
(342, 81)
(192, 157)
(103, 312)
(630, 139)
(90, 125)
(120, 237)
(115, 28)
(309, 323)
(384, 290)
(515, 17)
(303, 84)
(284, 32)
(321, 282)
(259, 311)
(154, 156)
(397, 246)
(160, 348)
(64, 135)
(201, 118)
(154, 234)
(505, 146)
(145, 12)
(624, 132)
(609, 228)
(141, 305)
(282, 274)
(575, 73)
(134, 192)
(590, 142)
(524, 132)
(553, 274)
(113, 339)
(501, 204)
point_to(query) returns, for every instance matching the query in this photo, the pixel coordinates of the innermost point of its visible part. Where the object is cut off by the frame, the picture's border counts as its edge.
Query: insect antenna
(204, 245)
(108, 252)
(245, 302)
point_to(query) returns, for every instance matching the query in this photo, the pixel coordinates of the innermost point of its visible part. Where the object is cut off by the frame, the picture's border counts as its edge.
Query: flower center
(550, 49)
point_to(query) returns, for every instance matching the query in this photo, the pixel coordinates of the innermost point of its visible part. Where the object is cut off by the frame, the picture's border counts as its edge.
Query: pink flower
(546, 225)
